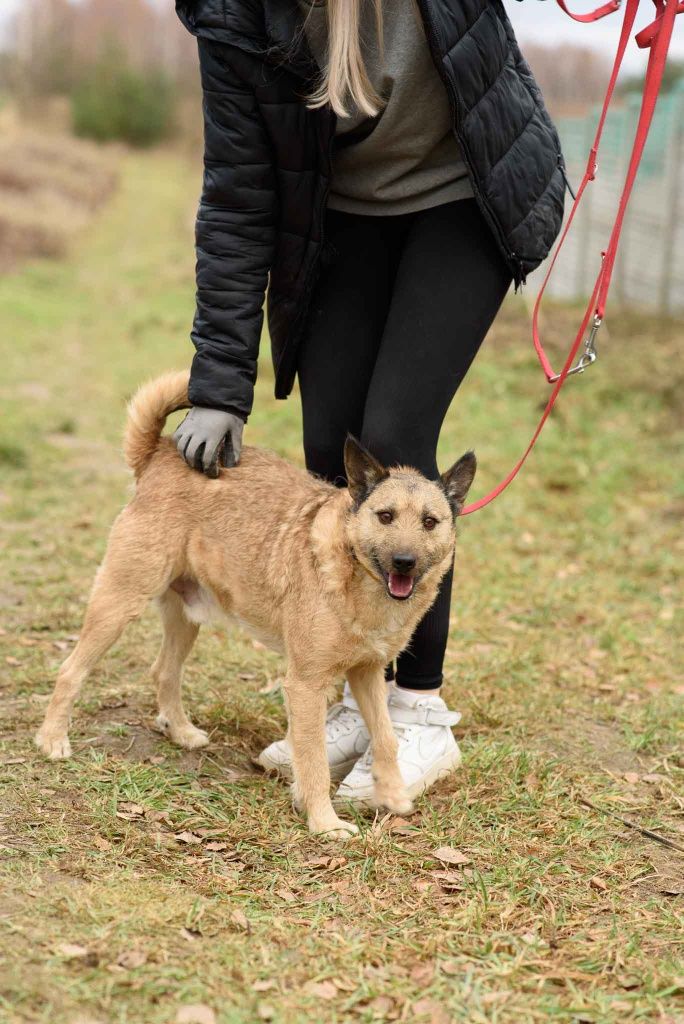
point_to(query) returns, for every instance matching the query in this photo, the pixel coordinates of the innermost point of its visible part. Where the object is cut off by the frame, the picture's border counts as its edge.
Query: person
(389, 167)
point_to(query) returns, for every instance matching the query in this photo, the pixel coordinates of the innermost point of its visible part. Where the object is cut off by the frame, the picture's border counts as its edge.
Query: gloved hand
(207, 435)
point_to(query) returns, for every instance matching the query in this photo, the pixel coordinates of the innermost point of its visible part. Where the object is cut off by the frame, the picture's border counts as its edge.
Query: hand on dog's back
(209, 436)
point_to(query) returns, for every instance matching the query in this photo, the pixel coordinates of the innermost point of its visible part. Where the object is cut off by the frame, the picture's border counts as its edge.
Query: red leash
(655, 36)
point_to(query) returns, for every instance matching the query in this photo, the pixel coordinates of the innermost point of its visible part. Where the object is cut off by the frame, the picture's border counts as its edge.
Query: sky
(543, 22)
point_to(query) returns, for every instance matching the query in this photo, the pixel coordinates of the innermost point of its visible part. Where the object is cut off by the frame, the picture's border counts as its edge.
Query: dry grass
(50, 185)
(139, 879)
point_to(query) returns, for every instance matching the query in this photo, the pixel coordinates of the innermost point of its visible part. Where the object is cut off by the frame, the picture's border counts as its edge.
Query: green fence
(649, 271)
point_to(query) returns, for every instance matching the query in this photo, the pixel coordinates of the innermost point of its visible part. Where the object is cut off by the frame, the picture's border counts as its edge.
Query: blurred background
(126, 72)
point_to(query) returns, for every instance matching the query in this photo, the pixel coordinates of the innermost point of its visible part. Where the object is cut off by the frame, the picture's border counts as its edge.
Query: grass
(139, 879)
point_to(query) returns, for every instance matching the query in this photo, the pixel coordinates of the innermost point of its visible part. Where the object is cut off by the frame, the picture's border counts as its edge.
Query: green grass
(565, 658)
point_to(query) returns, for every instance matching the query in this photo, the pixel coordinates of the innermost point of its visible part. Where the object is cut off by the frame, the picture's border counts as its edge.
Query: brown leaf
(652, 778)
(216, 847)
(264, 984)
(449, 855)
(450, 967)
(628, 981)
(265, 1011)
(72, 950)
(131, 958)
(422, 974)
(195, 1013)
(434, 1011)
(317, 862)
(189, 934)
(189, 838)
(598, 883)
(286, 894)
(322, 989)
(631, 777)
(14, 662)
(336, 862)
(100, 843)
(381, 1006)
(240, 920)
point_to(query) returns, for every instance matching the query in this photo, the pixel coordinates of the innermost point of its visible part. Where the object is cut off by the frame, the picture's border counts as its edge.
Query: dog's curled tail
(147, 412)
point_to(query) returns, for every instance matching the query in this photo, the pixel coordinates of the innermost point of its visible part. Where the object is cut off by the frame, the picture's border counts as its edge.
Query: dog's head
(402, 524)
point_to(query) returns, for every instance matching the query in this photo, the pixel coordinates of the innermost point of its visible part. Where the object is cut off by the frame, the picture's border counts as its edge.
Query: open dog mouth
(399, 585)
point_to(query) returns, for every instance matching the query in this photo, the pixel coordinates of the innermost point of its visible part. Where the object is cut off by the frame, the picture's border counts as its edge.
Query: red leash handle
(657, 36)
(600, 12)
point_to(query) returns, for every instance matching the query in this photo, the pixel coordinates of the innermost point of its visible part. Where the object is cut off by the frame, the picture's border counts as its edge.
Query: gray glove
(207, 435)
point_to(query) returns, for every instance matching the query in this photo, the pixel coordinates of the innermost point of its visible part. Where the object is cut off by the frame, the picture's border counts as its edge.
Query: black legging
(397, 317)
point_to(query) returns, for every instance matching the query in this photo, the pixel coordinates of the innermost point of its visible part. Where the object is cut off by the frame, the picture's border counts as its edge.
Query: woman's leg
(450, 282)
(346, 322)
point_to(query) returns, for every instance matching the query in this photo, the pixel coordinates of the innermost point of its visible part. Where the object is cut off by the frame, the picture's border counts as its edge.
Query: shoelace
(401, 729)
(340, 721)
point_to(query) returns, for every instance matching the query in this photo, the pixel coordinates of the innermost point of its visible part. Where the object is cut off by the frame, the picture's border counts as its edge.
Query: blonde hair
(344, 79)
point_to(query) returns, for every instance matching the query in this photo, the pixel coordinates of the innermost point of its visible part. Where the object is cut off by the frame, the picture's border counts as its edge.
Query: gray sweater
(407, 158)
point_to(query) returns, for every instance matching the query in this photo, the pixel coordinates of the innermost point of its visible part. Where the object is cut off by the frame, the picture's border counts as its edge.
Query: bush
(115, 102)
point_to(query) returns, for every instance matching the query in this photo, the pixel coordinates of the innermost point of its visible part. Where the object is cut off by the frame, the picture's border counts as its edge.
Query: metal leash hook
(589, 356)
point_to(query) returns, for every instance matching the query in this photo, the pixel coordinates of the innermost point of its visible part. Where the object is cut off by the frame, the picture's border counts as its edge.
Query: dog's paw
(333, 828)
(56, 746)
(393, 798)
(186, 735)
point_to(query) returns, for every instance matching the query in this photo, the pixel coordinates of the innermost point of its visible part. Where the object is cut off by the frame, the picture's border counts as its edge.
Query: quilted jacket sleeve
(235, 235)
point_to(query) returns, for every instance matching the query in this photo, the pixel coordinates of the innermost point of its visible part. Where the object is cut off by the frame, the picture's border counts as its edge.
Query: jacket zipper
(511, 257)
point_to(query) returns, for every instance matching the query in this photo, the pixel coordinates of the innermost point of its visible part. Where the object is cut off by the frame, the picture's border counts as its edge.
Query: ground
(138, 878)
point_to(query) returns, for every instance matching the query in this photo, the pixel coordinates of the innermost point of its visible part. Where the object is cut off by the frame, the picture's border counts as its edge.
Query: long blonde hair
(344, 79)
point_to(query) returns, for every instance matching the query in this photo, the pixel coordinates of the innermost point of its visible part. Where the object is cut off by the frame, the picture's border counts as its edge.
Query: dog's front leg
(370, 690)
(306, 706)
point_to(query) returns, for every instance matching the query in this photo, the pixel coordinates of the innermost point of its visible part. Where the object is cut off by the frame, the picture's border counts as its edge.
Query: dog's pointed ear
(363, 470)
(457, 480)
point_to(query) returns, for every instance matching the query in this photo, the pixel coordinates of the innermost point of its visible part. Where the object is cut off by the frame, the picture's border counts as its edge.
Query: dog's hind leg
(130, 575)
(167, 671)
(306, 708)
(370, 690)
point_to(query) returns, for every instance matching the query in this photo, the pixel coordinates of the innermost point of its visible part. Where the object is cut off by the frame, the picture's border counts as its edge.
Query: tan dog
(336, 579)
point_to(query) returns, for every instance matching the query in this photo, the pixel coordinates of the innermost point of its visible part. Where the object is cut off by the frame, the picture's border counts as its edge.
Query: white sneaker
(346, 738)
(427, 748)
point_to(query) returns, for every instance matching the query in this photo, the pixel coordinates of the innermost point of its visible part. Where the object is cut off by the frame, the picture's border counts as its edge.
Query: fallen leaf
(448, 855)
(652, 778)
(336, 862)
(422, 974)
(189, 838)
(631, 777)
(72, 950)
(434, 1011)
(381, 1006)
(628, 981)
(317, 862)
(286, 894)
(264, 984)
(101, 843)
(240, 920)
(195, 1013)
(322, 989)
(450, 967)
(598, 883)
(189, 934)
(15, 760)
(265, 1011)
(131, 958)
(14, 662)
(215, 847)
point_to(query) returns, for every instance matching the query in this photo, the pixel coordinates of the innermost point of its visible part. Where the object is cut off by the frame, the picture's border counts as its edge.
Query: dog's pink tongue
(400, 585)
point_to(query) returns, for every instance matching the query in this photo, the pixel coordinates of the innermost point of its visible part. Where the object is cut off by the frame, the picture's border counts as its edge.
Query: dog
(335, 578)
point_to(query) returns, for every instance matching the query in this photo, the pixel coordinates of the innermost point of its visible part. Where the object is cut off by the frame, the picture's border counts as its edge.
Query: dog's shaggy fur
(335, 578)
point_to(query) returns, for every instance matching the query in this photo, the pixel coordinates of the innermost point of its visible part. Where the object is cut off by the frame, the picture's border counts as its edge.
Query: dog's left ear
(457, 480)
(363, 470)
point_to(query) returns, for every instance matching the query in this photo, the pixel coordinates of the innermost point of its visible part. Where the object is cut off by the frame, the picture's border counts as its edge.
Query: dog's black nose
(403, 563)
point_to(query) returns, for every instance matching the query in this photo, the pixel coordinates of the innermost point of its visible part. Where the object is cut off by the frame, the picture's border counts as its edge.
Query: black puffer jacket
(267, 170)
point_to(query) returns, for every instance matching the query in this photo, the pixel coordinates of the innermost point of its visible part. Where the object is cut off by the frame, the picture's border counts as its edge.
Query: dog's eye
(429, 522)
(385, 517)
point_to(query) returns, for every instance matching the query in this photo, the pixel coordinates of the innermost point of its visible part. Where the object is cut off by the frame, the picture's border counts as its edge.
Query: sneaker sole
(337, 772)
(447, 764)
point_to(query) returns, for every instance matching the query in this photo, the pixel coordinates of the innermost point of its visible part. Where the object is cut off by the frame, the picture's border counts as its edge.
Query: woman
(391, 165)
